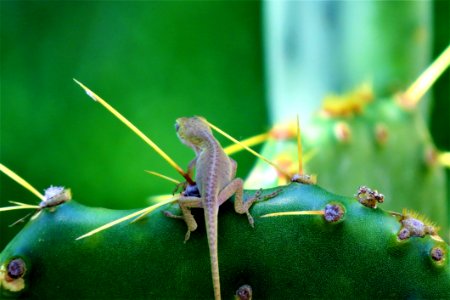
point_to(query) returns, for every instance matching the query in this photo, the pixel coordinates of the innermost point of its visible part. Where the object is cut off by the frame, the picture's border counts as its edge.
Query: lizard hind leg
(236, 187)
(186, 203)
(241, 206)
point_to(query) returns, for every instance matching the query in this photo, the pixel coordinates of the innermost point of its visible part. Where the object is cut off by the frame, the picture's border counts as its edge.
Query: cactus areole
(350, 250)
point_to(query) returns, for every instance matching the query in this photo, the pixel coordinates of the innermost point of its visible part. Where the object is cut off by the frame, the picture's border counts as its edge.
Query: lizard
(216, 182)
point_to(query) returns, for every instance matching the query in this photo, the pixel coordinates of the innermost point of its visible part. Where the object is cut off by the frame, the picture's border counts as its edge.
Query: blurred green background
(154, 61)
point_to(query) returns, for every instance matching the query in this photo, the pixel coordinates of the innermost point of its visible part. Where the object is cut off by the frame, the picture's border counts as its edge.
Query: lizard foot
(266, 197)
(258, 198)
(171, 215)
(250, 219)
(191, 226)
(187, 236)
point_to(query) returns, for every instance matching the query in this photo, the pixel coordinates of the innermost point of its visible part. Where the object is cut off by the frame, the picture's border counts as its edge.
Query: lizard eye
(177, 126)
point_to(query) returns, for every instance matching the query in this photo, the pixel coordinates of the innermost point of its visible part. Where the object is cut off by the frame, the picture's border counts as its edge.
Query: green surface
(363, 42)
(397, 167)
(153, 61)
(401, 166)
(357, 257)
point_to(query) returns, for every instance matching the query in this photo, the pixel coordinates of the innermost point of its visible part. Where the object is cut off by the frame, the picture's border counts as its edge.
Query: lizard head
(192, 131)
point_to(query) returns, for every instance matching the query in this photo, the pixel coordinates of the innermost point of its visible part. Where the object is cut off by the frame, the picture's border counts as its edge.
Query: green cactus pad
(354, 252)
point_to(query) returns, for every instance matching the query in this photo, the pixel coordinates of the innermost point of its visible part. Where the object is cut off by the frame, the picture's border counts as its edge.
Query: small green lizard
(216, 182)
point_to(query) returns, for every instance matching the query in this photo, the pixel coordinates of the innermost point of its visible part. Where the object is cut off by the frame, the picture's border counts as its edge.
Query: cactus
(357, 140)
(336, 240)
(316, 230)
(338, 249)
(380, 144)
(313, 49)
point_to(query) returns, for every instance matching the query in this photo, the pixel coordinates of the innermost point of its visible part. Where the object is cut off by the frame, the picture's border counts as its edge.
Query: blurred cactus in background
(343, 67)
(346, 83)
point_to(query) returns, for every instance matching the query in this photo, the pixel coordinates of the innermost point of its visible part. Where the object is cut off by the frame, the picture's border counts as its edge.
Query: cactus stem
(444, 159)
(294, 213)
(417, 90)
(21, 181)
(139, 214)
(248, 149)
(163, 176)
(139, 133)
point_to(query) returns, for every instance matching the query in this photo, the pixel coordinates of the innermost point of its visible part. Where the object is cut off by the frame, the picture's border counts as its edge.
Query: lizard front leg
(186, 203)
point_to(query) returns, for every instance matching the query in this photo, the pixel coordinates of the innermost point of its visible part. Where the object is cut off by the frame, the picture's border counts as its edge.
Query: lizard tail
(211, 230)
